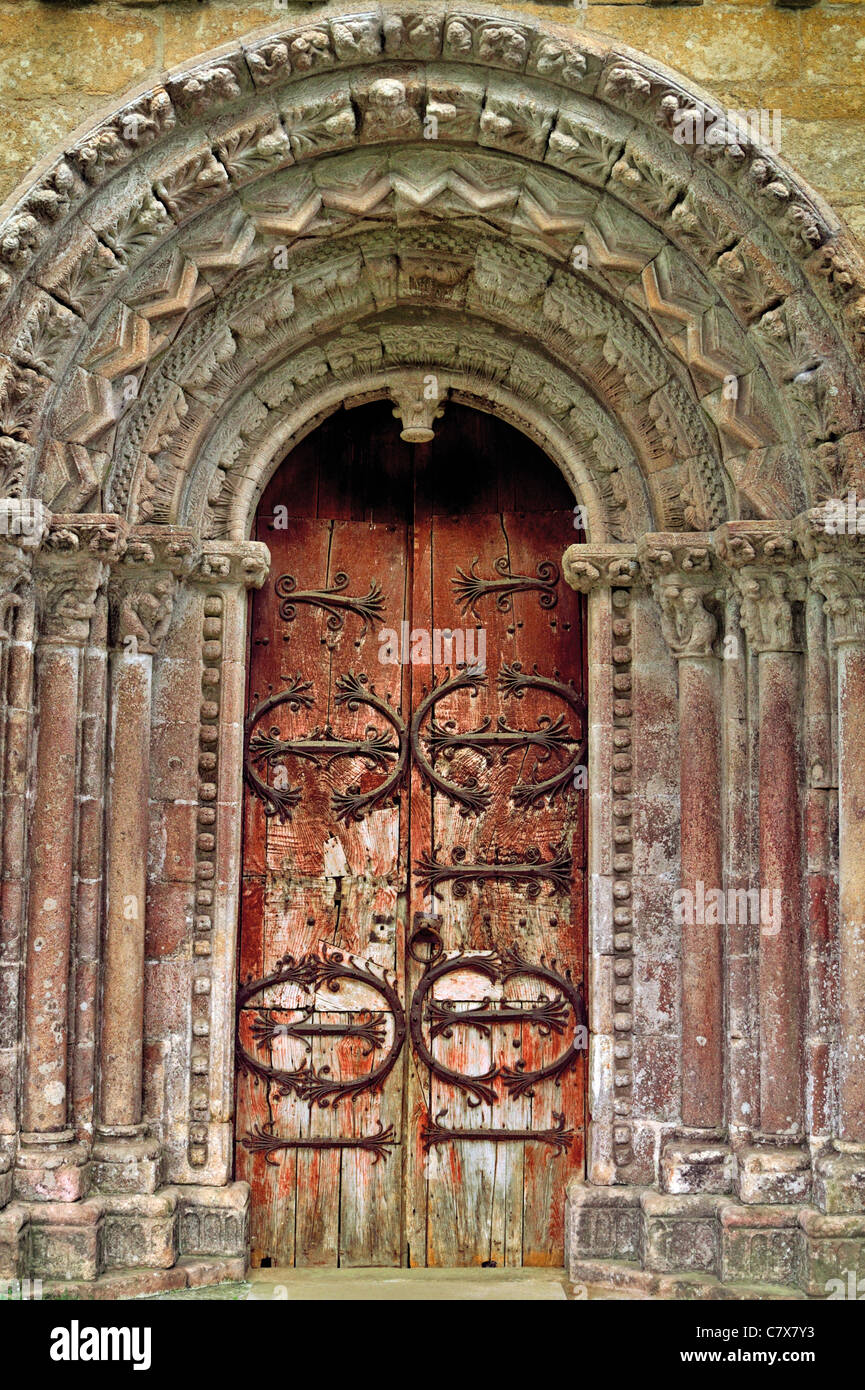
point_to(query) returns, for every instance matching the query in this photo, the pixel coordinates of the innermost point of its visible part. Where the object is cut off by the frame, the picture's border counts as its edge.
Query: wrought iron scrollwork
(470, 796)
(513, 682)
(551, 738)
(261, 1139)
(560, 1138)
(517, 1081)
(277, 801)
(530, 870)
(312, 973)
(469, 587)
(378, 749)
(479, 1089)
(548, 1014)
(368, 1025)
(335, 601)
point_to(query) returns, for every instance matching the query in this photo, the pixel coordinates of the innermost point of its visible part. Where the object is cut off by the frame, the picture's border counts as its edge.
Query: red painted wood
(359, 502)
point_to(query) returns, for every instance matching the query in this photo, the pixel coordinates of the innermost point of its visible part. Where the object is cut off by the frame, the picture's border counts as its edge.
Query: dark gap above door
(355, 467)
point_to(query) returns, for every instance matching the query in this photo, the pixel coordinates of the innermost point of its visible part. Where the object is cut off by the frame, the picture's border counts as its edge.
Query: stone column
(837, 571)
(223, 575)
(763, 562)
(89, 887)
(685, 585)
(141, 599)
(70, 571)
(22, 529)
(606, 573)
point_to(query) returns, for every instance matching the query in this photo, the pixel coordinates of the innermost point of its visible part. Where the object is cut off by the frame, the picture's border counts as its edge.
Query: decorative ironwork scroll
(378, 749)
(559, 1138)
(261, 1139)
(334, 601)
(513, 682)
(552, 738)
(470, 588)
(369, 1026)
(312, 973)
(278, 801)
(478, 1089)
(548, 1015)
(518, 1081)
(531, 870)
(470, 796)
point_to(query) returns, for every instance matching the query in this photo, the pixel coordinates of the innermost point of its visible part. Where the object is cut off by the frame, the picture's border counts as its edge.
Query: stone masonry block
(601, 1223)
(761, 1245)
(213, 1220)
(64, 1240)
(138, 1231)
(680, 1233)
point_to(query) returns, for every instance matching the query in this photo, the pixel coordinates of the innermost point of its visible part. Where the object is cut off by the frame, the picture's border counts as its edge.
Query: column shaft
(50, 908)
(780, 960)
(851, 813)
(123, 957)
(702, 863)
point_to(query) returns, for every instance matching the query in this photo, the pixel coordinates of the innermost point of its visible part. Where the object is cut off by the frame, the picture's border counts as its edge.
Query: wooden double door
(411, 1029)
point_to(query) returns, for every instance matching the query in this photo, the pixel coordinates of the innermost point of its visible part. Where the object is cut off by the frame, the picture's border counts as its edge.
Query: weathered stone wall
(61, 61)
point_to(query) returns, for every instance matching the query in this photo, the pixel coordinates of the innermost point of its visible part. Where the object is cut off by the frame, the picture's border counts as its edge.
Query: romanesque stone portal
(329, 214)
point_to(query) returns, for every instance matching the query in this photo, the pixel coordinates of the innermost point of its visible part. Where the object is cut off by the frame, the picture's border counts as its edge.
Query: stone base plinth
(51, 1171)
(766, 1175)
(125, 1283)
(127, 1165)
(839, 1182)
(709, 1246)
(145, 1242)
(692, 1166)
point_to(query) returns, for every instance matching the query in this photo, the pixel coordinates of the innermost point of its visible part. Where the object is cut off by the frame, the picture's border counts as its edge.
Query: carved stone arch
(645, 405)
(553, 140)
(202, 443)
(233, 509)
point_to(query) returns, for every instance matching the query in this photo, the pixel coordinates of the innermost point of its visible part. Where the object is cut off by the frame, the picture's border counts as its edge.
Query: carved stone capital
(141, 608)
(225, 563)
(837, 571)
(15, 567)
(683, 575)
(144, 584)
(765, 568)
(15, 570)
(71, 568)
(590, 566)
(67, 590)
(418, 403)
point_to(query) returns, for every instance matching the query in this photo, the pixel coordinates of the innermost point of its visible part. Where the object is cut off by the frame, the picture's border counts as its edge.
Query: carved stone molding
(765, 568)
(683, 575)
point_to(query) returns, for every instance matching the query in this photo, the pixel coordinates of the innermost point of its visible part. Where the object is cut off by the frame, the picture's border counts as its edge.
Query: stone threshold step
(472, 1284)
